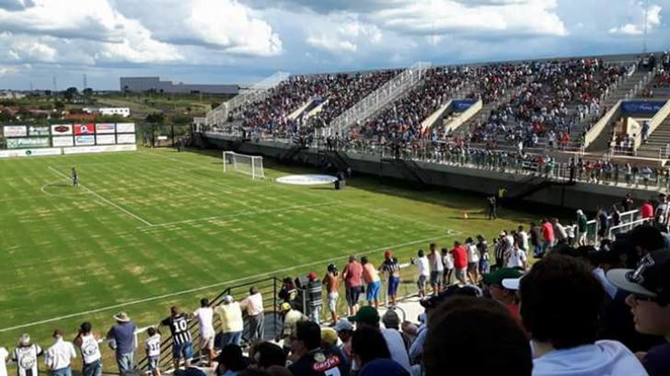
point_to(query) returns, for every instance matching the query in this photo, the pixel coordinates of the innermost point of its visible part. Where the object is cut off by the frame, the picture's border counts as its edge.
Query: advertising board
(14, 131)
(105, 139)
(105, 128)
(61, 141)
(61, 129)
(84, 140)
(99, 149)
(24, 143)
(84, 129)
(39, 131)
(125, 127)
(125, 138)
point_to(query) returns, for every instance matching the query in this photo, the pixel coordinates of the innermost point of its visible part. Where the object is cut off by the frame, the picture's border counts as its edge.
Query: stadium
(507, 217)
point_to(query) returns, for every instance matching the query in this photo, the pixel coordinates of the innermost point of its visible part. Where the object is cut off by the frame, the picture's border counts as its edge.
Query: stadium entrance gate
(268, 287)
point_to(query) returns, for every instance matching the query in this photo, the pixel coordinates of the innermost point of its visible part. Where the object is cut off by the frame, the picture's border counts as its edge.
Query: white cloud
(333, 45)
(653, 18)
(341, 33)
(7, 70)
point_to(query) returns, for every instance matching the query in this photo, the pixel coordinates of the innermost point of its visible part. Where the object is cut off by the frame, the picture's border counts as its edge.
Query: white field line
(103, 199)
(229, 282)
(245, 213)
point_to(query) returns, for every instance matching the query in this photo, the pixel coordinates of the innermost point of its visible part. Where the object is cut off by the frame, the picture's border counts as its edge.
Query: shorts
(372, 292)
(207, 341)
(353, 294)
(332, 301)
(394, 282)
(421, 282)
(472, 267)
(436, 279)
(153, 362)
(184, 350)
(460, 274)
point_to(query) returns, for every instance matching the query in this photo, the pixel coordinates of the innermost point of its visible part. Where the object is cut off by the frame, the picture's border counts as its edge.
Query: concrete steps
(659, 139)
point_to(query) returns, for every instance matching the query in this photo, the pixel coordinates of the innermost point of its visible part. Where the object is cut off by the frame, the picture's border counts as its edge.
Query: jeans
(315, 313)
(67, 371)
(231, 338)
(256, 326)
(126, 362)
(92, 369)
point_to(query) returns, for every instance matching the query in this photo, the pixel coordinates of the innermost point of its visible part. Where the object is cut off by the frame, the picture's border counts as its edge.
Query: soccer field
(156, 223)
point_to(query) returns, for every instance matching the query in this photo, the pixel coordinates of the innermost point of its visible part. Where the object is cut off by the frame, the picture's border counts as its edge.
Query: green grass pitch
(155, 222)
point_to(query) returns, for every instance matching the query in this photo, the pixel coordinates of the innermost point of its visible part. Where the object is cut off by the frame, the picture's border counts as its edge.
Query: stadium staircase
(335, 158)
(256, 93)
(410, 170)
(289, 155)
(530, 185)
(377, 100)
(658, 143)
(268, 287)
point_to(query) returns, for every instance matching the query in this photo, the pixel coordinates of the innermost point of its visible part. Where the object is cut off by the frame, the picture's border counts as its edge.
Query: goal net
(246, 164)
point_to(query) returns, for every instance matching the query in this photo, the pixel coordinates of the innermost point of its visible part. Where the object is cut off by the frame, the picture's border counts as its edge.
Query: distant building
(154, 84)
(108, 111)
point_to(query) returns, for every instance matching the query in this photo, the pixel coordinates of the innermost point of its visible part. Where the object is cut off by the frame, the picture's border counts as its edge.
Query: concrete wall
(578, 196)
(143, 84)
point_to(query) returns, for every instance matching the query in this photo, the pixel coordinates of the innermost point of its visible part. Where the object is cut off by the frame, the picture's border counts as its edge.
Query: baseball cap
(344, 325)
(227, 299)
(511, 283)
(312, 276)
(391, 319)
(285, 307)
(650, 279)
(497, 277)
(388, 254)
(367, 315)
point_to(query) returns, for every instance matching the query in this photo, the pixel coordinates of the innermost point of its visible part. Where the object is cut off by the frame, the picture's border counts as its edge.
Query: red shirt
(647, 210)
(460, 257)
(548, 231)
(352, 274)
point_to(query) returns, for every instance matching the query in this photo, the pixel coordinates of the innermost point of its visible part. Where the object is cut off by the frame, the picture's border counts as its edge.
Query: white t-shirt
(517, 258)
(448, 260)
(422, 263)
(3, 361)
(396, 347)
(473, 255)
(153, 345)
(435, 263)
(524, 240)
(205, 317)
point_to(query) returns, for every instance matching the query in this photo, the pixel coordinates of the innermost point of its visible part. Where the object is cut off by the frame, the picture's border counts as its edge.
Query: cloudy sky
(242, 41)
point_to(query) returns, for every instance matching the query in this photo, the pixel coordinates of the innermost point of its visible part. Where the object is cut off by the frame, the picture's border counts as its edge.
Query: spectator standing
(352, 275)
(288, 292)
(649, 298)
(122, 340)
(627, 202)
(332, 282)
(492, 207)
(345, 330)
(548, 239)
(561, 303)
(516, 258)
(4, 356)
(392, 268)
(559, 231)
(436, 269)
(604, 223)
(483, 250)
(205, 317)
(232, 323)
(523, 236)
(448, 262)
(59, 356)
(582, 227)
(25, 356)
(374, 284)
(182, 345)
(535, 239)
(315, 302)
(291, 318)
(647, 210)
(473, 260)
(253, 304)
(152, 347)
(391, 320)
(424, 272)
(87, 341)
(460, 262)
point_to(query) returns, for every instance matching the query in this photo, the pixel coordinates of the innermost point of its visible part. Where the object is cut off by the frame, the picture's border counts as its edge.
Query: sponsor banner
(61, 141)
(125, 139)
(83, 129)
(14, 131)
(307, 179)
(105, 128)
(61, 129)
(29, 152)
(641, 107)
(84, 140)
(24, 143)
(462, 105)
(39, 131)
(105, 139)
(125, 127)
(99, 149)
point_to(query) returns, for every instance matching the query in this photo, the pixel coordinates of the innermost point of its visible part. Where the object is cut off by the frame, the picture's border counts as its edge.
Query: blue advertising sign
(641, 107)
(461, 105)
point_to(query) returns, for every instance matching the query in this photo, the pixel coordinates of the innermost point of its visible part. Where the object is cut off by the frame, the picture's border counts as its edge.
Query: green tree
(155, 118)
(71, 93)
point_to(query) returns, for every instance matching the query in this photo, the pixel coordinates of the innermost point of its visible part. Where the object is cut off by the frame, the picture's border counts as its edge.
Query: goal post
(247, 164)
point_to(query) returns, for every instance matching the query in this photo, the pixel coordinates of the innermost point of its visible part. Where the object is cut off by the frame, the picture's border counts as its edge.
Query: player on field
(153, 349)
(182, 346)
(75, 177)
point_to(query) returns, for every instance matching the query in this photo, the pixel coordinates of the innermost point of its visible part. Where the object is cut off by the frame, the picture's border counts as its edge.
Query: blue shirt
(124, 336)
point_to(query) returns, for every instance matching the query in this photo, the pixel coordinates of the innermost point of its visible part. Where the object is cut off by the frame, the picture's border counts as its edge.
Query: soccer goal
(246, 164)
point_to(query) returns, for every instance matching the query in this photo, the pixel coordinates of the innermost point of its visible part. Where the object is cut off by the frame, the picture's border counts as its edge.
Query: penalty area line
(103, 199)
(229, 282)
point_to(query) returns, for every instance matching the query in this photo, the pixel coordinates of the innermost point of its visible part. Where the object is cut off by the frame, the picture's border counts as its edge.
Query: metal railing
(627, 221)
(256, 93)
(378, 99)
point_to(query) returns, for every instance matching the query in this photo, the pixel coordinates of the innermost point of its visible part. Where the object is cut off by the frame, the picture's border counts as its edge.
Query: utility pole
(85, 83)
